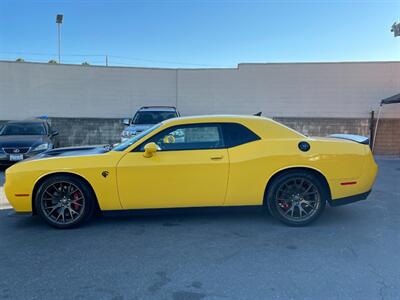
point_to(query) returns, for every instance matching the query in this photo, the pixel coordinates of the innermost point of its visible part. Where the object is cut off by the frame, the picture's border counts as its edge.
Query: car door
(190, 169)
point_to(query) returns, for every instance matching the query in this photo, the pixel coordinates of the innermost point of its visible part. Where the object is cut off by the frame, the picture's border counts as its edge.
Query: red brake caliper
(284, 204)
(76, 196)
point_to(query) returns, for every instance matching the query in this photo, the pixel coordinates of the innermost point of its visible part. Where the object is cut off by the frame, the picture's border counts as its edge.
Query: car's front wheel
(64, 201)
(297, 198)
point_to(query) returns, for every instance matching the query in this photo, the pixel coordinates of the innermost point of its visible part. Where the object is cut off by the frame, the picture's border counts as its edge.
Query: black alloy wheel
(297, 198)
(64, 201)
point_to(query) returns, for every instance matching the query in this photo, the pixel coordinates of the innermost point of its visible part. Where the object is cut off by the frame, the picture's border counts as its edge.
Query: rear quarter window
(237, 134)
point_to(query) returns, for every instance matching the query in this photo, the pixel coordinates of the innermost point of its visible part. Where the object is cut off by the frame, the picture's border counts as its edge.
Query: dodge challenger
(202, 161)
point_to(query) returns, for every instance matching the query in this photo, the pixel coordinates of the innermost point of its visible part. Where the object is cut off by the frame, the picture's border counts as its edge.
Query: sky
(199, 33)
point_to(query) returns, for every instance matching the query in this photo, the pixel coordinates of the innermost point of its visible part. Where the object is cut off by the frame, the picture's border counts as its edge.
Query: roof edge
(203, 68)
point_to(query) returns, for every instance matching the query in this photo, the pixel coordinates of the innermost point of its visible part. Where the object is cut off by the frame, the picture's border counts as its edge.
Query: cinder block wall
(326, 126)
(97, 131)
(87, 131)
(92, 131)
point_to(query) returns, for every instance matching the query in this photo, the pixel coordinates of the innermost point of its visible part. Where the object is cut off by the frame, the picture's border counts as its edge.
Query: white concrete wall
(32, 89)
(285, 89)
(294, 90)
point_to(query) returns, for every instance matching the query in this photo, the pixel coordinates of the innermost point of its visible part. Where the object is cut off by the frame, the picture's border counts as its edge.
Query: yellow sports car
(205, 161)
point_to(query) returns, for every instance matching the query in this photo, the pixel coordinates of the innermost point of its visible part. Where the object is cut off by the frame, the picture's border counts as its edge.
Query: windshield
(23, 129)
(134, 139)
(152, 117)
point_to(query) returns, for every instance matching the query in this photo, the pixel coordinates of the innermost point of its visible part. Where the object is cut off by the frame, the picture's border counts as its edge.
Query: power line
(232, 1)
(139, 59)
(161, 61)
(47, 60)
(48, 54)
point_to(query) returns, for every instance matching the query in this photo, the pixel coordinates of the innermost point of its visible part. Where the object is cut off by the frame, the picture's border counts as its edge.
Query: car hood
(135, 128)
(71, 151)
(76, 151)
(22, 140)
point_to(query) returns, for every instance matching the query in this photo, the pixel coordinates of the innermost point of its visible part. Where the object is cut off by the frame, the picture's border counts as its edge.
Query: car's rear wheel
(297, 198)
(64, 201)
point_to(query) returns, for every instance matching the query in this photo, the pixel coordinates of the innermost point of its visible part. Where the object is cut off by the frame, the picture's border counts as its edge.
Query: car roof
(262, 126)
(26, 121)
(158, 108)
(215, 118)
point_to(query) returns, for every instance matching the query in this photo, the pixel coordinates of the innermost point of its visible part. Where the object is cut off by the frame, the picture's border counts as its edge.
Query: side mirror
(126, 122)
(150, 149)
(54, 133)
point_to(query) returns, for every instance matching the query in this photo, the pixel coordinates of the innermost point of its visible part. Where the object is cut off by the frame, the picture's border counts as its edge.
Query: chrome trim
(11, 150)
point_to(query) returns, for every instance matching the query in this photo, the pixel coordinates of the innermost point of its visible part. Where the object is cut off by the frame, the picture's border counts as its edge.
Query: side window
(188, 137)
(236, 134)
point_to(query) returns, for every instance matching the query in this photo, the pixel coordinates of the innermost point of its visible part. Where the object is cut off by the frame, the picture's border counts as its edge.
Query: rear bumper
(348, 200)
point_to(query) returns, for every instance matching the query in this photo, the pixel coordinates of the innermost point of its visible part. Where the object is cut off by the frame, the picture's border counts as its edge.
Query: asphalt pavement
(3, 201)
(351, 252)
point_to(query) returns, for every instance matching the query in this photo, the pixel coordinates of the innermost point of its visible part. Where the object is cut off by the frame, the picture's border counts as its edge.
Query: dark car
(146, 117)
(23, 139)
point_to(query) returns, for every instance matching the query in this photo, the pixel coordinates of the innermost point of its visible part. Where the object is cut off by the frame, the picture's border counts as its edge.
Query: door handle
(216, 157)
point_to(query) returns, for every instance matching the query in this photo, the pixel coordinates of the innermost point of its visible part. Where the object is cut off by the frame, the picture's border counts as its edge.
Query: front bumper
(18, 192)
(6, 161)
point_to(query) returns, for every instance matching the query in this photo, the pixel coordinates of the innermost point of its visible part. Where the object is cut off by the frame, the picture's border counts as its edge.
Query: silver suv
(146, 117)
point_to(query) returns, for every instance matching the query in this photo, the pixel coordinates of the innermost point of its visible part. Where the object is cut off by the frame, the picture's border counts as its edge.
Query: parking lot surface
(350, 252)
(3, 200)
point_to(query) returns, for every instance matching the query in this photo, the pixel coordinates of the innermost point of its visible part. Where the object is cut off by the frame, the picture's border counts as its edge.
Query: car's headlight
(127, 133)
(41, 147)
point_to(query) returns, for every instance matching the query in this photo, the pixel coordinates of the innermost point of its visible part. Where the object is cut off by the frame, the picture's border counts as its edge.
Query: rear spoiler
(352, 137)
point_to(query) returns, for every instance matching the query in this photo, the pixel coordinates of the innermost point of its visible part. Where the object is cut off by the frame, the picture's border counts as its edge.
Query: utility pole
(106, 60)
(59, 20)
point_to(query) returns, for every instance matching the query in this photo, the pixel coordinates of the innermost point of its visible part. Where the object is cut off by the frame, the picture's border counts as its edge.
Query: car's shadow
(332, 218)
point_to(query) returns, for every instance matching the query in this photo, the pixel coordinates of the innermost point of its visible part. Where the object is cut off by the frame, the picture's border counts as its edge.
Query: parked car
(146, 117)
(215, 161)
(23, 139)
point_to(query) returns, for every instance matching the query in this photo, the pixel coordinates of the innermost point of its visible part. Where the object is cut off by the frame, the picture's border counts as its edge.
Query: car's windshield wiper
(109, 147)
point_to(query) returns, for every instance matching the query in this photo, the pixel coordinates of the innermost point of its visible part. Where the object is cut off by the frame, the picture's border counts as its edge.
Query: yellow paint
(215, 177)
(173, 179)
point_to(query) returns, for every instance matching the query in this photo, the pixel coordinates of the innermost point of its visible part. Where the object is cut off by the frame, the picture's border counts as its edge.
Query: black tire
(296, 198)
(64, 201)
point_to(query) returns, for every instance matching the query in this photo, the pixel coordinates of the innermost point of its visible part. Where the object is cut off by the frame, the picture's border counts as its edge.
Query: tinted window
(188, 137)
(23, 129)
(237, 134)
(152, 117)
